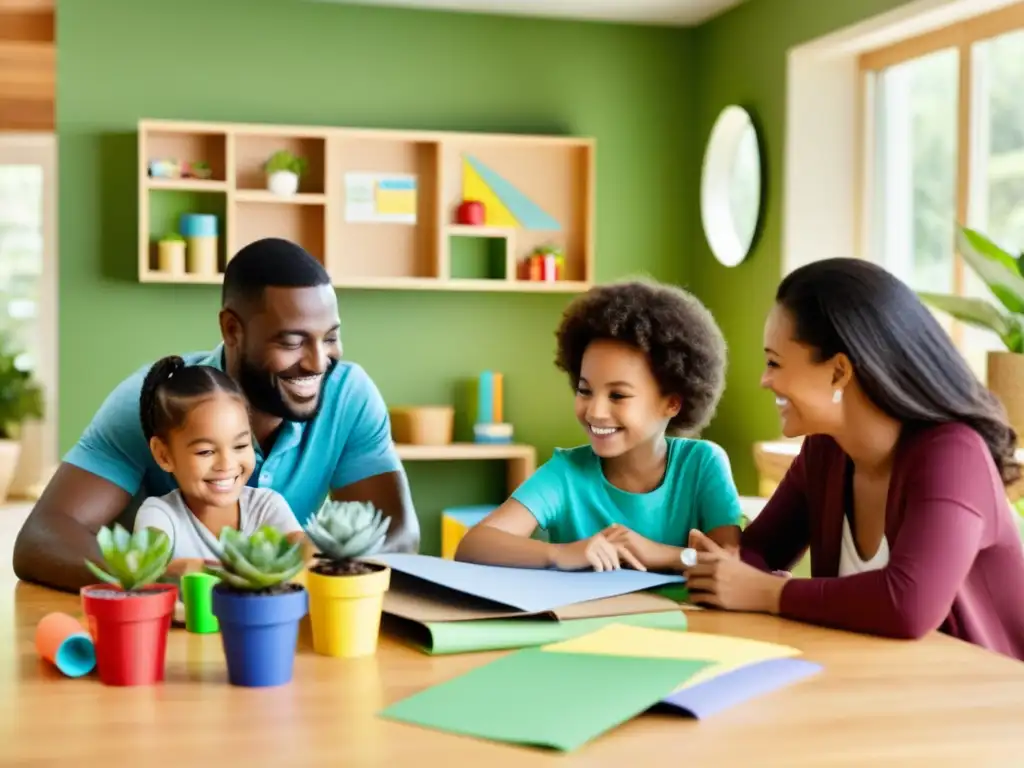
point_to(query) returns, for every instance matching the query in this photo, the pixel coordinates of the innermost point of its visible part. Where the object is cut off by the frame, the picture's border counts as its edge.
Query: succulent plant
(257, 562)
(342, 530)
(132, 560)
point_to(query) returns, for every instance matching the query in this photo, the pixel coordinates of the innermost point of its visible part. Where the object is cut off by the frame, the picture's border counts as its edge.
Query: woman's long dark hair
(904, 360)
(170, 387)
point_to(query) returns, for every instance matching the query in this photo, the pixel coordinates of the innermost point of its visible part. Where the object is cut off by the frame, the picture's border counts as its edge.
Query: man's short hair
(270, 262)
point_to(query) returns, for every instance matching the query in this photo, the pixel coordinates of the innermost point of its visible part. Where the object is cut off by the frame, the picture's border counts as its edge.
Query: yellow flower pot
(345, 611)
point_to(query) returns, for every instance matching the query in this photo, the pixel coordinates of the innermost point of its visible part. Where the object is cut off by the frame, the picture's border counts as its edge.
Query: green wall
(741, 58)
(632, 88)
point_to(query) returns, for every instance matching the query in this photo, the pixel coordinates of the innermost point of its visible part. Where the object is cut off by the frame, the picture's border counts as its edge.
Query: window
(945, 145)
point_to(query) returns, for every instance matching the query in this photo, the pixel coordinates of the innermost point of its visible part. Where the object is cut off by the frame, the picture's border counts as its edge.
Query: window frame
(962, 36)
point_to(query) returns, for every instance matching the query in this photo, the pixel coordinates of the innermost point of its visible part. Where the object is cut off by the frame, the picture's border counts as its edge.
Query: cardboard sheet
(447, 637)
(525, 589)
(415, 610)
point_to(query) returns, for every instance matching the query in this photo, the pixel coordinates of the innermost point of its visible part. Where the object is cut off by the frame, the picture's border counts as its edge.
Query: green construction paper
(677, 592)
(536, 698)
(448, 637)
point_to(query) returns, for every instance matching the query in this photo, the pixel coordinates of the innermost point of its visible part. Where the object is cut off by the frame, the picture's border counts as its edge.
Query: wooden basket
(422, 424)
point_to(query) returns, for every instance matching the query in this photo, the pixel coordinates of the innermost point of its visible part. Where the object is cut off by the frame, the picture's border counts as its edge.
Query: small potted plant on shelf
(21, 399)
(171, 254)
(129, 614)
(346, 595)
(283, 170)
(257, 606)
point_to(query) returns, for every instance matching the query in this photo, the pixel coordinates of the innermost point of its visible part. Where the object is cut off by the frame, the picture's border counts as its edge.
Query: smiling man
(320, 423)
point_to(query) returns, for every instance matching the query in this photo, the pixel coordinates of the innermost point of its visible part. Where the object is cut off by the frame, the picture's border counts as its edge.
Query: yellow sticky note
(396, 201)
(726, 652)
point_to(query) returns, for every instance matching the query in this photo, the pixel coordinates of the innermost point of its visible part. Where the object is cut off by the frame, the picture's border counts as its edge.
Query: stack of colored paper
(597, 681)
(440, 606)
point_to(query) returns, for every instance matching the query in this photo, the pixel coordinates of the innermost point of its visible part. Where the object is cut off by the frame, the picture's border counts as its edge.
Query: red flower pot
(129, 630)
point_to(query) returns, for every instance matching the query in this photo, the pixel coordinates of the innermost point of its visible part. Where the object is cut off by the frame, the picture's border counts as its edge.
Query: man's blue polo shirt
(348, 440)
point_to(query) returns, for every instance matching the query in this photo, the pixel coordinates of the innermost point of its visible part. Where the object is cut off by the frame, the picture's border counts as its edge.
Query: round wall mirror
(730, 186)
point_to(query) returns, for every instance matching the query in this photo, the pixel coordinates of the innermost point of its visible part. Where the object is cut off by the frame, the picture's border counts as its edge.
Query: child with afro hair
(647, 363)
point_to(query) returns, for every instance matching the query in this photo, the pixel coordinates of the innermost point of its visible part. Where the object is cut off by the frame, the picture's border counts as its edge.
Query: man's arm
(388, 492)
(90, 489)
(369, 468)
(60, 532)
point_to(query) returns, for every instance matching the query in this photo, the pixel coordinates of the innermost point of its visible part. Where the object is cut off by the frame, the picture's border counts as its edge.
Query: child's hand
(653, 555)
(597, 553)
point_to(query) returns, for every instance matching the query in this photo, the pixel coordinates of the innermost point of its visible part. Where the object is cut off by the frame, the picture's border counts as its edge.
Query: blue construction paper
(526, 589)
(739, 685)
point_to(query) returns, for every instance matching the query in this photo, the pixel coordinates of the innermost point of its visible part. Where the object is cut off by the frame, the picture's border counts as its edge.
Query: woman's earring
(837, 396)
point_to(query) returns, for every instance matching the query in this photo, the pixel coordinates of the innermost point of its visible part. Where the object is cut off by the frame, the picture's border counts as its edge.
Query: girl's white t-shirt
(170, 514)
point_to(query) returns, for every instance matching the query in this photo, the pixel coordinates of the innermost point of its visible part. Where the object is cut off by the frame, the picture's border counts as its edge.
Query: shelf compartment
(380, 228)
(186, 145)
(542, 190)
(163, 211)
(253, 150)
(481, 253)
(302, 224)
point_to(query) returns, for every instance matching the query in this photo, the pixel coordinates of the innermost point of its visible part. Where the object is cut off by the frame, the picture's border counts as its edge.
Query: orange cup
(64, 642)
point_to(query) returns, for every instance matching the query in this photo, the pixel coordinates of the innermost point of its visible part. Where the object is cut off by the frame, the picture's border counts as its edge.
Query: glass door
(28, 287)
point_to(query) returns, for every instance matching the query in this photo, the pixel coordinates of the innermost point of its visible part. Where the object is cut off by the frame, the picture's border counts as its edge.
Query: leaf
(105, 540)
(122, 539)
(976, 312)
(102, 575)
(994, 266)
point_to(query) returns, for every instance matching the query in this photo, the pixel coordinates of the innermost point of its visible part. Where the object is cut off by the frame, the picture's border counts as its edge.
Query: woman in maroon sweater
(899, 489)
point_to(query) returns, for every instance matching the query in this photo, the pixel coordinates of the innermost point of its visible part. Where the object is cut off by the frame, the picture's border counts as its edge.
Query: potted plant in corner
(129, 614)
(1004, 276)
(257, 606)
(346, 595)
(283, 170)
(20, 399)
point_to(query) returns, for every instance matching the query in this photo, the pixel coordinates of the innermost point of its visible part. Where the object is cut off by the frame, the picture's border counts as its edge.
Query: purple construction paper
(739, 685)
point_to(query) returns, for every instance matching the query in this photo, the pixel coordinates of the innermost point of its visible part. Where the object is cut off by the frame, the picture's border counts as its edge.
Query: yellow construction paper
(726, 652)
(496, 214)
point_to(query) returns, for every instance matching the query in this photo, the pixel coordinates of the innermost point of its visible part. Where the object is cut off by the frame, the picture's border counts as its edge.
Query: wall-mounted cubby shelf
(380, 208)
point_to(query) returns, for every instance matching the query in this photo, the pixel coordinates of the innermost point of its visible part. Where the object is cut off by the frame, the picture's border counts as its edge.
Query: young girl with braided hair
(196, 421)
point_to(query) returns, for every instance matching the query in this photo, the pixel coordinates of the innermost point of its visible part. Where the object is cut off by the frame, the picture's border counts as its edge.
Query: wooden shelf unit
(520, 460)
(551, 176)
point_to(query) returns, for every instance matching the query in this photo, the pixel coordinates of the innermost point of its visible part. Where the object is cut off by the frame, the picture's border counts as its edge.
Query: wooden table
(936, 702)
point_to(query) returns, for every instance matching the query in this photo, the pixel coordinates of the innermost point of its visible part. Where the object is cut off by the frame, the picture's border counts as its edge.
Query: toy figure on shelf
(546, 264)
(168, 168)
(489, 427)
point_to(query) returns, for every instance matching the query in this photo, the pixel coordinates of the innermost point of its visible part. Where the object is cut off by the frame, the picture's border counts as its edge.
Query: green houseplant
(283, 171)
(21, 399)
(1003, 273)
(257, 604)
(347, 594)
(130, 613)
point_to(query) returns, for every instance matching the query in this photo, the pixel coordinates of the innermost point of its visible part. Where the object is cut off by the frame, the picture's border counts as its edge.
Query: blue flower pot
(260, 634)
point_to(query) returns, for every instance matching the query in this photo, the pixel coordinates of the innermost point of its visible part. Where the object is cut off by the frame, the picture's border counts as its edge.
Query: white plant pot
(283, 183)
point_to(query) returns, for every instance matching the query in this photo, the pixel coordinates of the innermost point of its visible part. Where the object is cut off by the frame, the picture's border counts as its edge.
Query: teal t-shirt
(572, 500)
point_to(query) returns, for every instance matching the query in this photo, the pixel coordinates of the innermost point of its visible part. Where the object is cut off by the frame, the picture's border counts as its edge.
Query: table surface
(933, 702)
